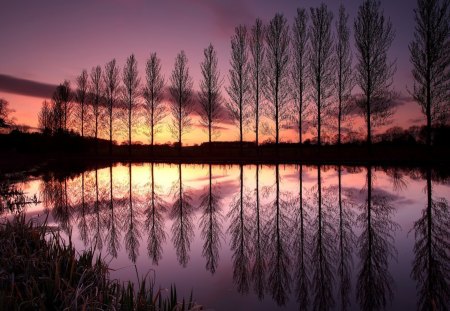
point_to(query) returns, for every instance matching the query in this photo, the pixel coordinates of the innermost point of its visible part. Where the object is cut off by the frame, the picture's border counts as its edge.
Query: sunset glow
(38, 51)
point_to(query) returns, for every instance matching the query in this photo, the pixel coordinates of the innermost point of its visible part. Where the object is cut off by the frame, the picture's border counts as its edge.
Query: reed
(40, 271)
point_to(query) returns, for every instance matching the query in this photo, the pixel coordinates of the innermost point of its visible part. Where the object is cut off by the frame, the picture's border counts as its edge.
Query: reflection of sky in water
(406, 195)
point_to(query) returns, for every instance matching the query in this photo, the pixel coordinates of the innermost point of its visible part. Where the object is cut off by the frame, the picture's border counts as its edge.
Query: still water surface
(263, 237)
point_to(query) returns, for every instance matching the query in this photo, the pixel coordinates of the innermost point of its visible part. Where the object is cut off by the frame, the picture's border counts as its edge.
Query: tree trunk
(110, 127)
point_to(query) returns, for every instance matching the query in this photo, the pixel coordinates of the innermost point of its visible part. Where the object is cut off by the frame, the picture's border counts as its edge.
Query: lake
(260, 237)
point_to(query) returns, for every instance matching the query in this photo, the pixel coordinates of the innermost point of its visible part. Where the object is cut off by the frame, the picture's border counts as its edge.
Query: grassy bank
(39, 271)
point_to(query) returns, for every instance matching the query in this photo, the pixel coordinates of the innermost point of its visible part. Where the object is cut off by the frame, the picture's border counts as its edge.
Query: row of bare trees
(298, 76)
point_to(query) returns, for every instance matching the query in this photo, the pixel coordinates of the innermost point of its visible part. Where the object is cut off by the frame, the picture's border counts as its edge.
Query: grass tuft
(40, 271)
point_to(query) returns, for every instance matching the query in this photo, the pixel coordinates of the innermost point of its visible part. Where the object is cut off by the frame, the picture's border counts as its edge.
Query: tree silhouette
(181, 214)
(345, 81)
(239, 235)
(430, 56)
(257, 52)
(111, 79)
(181, 92)
(131, 82)
(155, 220)
(81, 96)
(211, 224)
(299, 73)
(373, 37)
(321, 63)
(375, 248)
(431, 265)
(302, 247)
(96, 89)
(153, 94)
(46, 118)
(63, 105)
(5, 111)
(323, 251)
(278, 226)
(210, 98)
(276, 89)
(238, 76)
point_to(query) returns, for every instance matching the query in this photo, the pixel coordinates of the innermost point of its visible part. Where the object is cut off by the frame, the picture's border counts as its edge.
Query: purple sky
(48, 41)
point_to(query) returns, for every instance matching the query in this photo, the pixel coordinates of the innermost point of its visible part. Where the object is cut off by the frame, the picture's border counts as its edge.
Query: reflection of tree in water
(398, 178)
(132, 222)
(431, 266)
(240, 236)
(346, 243)
(211, 224)
(278, 225)
(301, 247)
(258, 269)
(376, 247)
(113, 220)
(12, 198)
(82, 212)
(97, 221)
(181, 214)
(155, 220)
(323, 249)
(55, 197)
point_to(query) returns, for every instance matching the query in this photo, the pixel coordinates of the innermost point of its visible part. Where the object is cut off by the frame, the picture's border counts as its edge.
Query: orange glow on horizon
(26, 110)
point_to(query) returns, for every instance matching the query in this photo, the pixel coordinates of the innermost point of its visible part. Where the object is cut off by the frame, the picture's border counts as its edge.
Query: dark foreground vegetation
(40, 271)
(34, 151)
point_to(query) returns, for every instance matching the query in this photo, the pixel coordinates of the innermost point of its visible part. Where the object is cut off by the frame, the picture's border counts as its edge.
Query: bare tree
(321, 63)
(5, 111)
(430, 56)
(153, 94)
(257, 51)
(81, 97)
(299, 74)
(276, 89)
(45, 122)
(210, 98)
(111, 79)
(238, 90)
(344, 82)
(96, 88)
(181, 92)
(373, 36)
(131, 82)
(63, 100)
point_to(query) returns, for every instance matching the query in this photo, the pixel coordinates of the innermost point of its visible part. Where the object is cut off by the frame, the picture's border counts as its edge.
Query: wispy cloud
(227, 14)
(21, 86)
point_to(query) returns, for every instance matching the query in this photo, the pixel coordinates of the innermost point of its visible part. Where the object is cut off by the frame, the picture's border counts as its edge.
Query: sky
(46, 42)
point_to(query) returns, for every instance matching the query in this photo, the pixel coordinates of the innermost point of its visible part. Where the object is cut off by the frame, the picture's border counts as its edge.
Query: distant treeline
(21, 151)
(298, 76)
